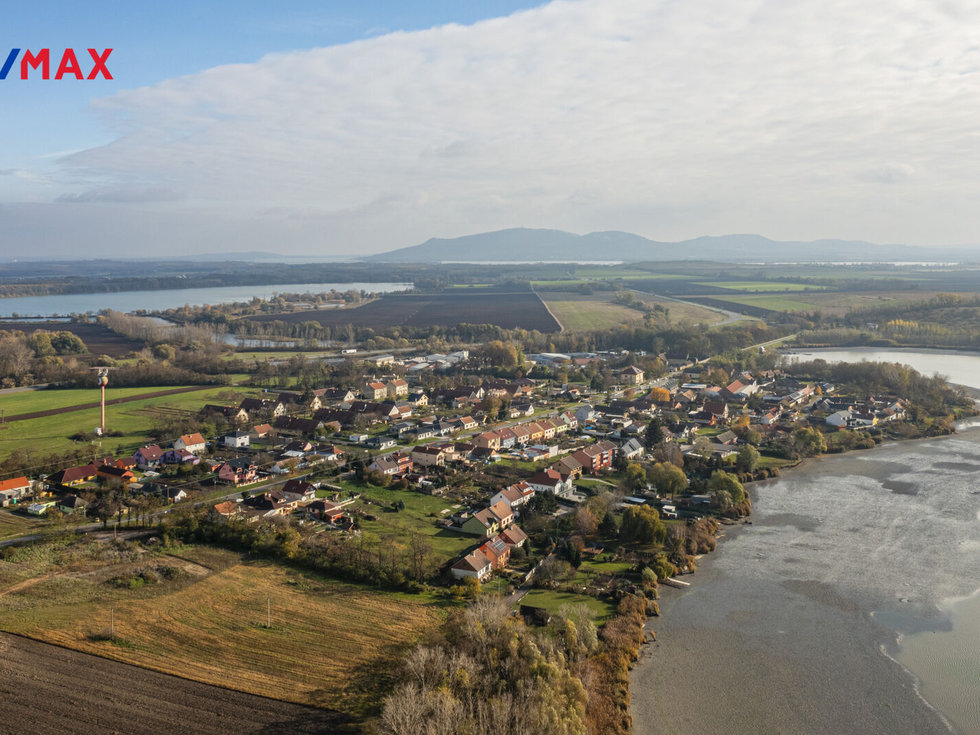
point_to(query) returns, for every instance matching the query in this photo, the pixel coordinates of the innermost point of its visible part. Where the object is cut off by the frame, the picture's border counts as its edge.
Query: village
(481, 450)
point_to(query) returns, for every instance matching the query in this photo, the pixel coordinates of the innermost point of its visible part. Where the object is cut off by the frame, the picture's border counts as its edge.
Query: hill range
(541, 245)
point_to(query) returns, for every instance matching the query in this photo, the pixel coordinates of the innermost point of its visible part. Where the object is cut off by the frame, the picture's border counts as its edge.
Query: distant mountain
(524, 244)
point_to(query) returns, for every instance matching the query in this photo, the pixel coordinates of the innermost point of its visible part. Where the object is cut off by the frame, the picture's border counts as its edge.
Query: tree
(634, 478)
(667, 478)
(642, 525)
(586, 522)
(725, 489)
(608, 527)
(654, 433)
(747, 459)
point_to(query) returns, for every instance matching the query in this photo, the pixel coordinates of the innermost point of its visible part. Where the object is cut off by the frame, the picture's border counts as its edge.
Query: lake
(128, 301)
(850, 604)
(962, 368)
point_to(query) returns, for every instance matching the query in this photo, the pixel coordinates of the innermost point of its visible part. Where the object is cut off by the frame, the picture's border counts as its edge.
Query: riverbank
(784, 631)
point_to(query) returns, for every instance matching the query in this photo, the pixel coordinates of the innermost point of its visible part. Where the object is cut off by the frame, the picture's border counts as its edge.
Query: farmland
(580, 312)
(98, 339)
(134, 419)
(328, 645)
(507, 309)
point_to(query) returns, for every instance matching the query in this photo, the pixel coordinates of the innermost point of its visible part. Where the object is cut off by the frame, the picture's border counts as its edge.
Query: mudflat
(47, 689)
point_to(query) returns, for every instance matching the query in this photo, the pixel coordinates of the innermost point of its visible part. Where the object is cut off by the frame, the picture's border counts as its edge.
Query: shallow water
(848, 558)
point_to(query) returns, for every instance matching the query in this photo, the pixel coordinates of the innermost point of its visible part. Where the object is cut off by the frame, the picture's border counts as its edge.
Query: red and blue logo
(69, 66)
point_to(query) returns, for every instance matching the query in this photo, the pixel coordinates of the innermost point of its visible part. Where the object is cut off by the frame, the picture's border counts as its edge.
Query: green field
(587, 312)
(773, 302)
(553, 601)
(761, 286)
(419, 516)
(135, 419)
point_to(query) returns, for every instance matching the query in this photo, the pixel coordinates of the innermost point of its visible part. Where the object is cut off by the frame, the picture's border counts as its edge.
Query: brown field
(98, 339)
(330, 644)
(510, 310)
(45, 690)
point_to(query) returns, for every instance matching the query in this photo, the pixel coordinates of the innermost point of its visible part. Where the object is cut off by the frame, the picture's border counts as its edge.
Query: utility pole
(268, 620)
(112, 622)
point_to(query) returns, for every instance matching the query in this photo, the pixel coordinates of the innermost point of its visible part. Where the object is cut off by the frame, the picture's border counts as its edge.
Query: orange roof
(14, 483)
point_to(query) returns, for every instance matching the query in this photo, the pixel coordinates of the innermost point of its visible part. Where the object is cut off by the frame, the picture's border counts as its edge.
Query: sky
(347, 128)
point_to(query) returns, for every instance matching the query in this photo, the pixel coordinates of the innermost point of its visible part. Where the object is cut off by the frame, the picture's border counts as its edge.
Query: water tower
(103, 373)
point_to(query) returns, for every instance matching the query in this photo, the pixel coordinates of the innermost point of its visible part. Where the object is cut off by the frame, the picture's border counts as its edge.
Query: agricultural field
(581, 312)
(135, 418)
(330, 644)
(770, 302)
(98, 339)
(764, 286)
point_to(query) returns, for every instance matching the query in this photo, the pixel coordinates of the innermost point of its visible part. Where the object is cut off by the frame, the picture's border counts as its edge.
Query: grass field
(417, 517)
(580, 312)
(553, 601)
(135, 419)
(762, 286)
(773, 302)
(585, 312)
(330, 644)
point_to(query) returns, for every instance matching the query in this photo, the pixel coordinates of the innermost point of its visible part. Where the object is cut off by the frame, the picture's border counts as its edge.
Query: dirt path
(47, 689)
(111, 402)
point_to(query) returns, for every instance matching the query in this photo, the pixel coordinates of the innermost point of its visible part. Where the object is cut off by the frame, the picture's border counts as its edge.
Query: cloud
(672, 119)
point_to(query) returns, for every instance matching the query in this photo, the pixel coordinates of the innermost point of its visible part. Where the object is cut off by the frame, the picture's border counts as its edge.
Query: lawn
(553, 601)
(419, 516)
(330, 643)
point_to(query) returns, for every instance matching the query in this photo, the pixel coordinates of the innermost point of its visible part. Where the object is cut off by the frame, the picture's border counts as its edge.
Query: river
(850, 605)
(173, 298)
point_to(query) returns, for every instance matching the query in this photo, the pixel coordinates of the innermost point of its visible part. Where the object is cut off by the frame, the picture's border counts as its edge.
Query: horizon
(348, 131)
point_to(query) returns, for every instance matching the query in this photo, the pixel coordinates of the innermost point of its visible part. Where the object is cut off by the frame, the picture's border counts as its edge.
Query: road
(730, 316)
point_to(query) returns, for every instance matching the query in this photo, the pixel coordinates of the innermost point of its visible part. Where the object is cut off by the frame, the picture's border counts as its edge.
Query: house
(850, 419)
(13, 490)
(295, 403)
(584, 414)
(488, 521)
(397, 388)
(569, 466)
(111, 472)
(172, 494)
(72, 504)
(329, 452)
(226, 511)
(193, 443)
(148, 457)
(381, 442)
(507, 437)
(236, 440)
(41, 508)
(327, 511)
(298, 490)
(374, 390)
(521, 434)
(267, 505)
(231, 414)
(418, 398)
(513, 536)
(294, 426)
(73, 476)
(515, 495)
(262, 406)
(392, 464)
(335, 395)
(237, 471)
(180, 456)
(631, 449)
(429, 456)
(551, 481)
(595, 457)
(260, 431)
(497, 551)
(475, 564)
(488, 440)
(631, 375)
(518, 409)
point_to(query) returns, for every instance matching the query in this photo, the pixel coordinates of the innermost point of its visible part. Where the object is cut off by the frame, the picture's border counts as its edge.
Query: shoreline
(680, 645)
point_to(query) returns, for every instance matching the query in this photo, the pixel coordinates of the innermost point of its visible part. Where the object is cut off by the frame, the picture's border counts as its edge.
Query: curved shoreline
(661, 686)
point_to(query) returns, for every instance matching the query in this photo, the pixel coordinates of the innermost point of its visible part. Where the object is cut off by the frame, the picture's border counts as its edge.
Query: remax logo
(69, 64)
